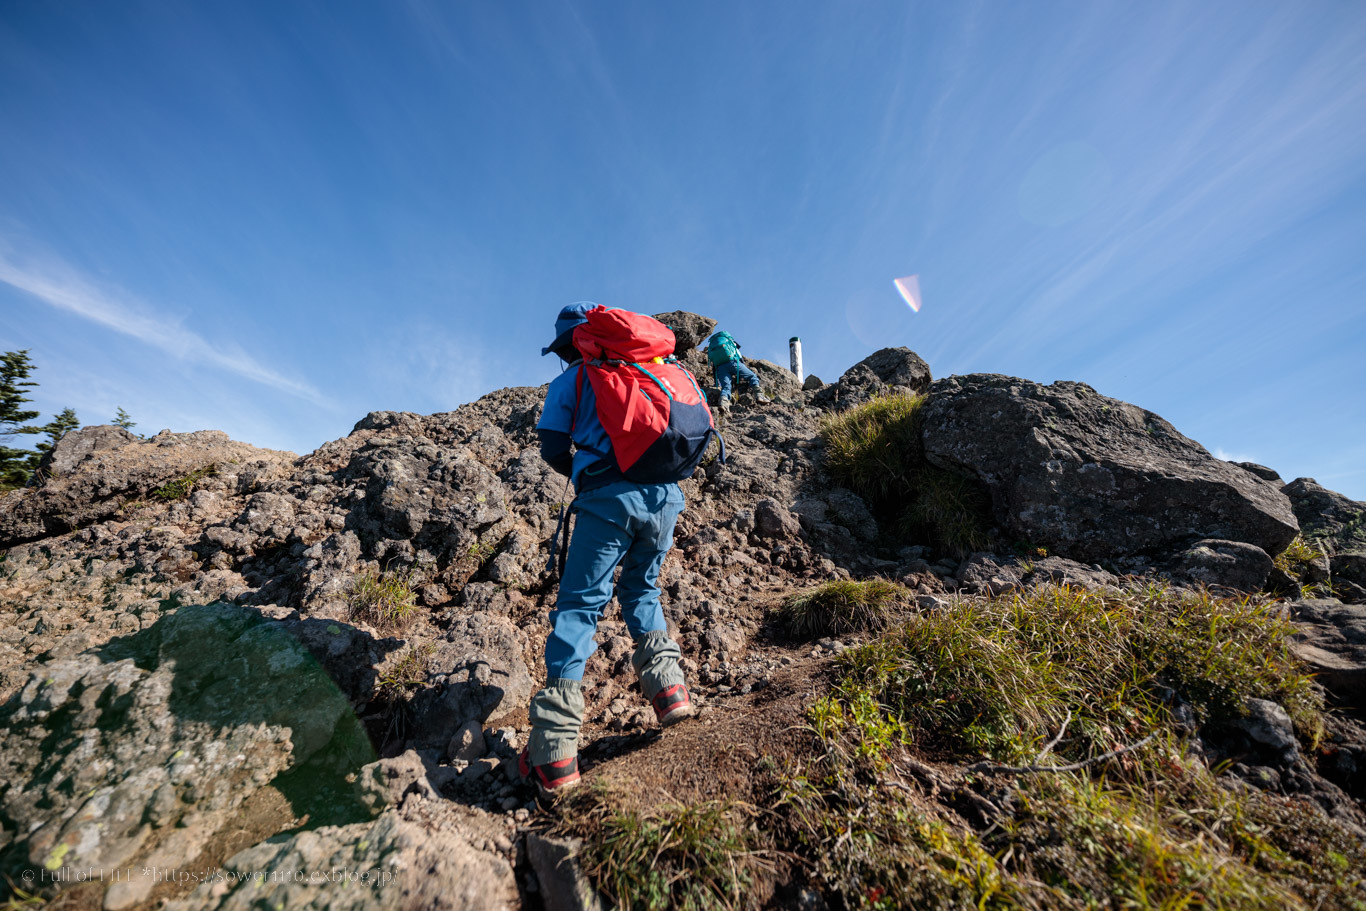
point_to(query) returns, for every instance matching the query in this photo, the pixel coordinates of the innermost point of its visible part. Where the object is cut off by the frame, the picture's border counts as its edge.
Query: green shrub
(384, 600)
(840, 607)
(875, 450)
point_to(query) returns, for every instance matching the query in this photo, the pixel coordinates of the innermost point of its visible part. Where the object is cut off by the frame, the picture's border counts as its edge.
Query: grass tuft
(875, 450)
(405, 674)
(840, 607)
(1155, 829)
(181, 488)
(384, 600)
(667, 856)
(997, 677)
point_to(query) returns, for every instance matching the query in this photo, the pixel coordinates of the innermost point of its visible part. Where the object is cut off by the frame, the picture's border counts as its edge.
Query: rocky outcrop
(885, 371)
(142, 751)
(1224, 564)
(1328, 518)
(183, 636)
(1092, 477)
(1331, 640)
(103, 477)
(75, 447)
(690, 329)
(426, 854)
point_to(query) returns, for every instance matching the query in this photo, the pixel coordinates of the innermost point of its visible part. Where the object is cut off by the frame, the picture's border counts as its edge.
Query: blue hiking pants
(623, 523)
(727, 373)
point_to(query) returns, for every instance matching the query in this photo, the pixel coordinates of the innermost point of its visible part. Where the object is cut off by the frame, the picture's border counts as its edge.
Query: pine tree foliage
(15, 367)
(124, 419)
(18, 465)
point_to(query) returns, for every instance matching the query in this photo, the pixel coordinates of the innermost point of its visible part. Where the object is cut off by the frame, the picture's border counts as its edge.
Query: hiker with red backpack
(637, 423)
(723, 353)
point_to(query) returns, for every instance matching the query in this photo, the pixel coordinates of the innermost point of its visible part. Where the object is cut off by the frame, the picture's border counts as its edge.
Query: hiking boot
(553, 777)
(724, 407)
(672, 705)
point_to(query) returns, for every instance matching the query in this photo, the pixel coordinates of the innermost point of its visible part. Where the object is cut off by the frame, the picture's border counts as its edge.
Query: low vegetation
(181, 488)
(669, 855)
(1056, 727)
(844, 606)
(386, 601)
(1306, 561)
(998, 678)
(875, 450)
(404, 674)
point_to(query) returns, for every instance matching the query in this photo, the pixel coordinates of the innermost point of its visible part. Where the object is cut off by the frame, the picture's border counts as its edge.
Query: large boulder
(1327, 517)
(1093, 477)
(1331, 639)
(1226, 564)
(887, 370)
(139, 754)
(425, 854)
(778, 383)
(690, 330)
(74, 447)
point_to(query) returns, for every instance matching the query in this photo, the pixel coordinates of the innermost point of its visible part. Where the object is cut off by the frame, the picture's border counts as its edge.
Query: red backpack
(649, 404)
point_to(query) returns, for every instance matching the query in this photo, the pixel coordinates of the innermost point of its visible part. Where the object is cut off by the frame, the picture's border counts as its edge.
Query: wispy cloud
(59, 285)
(1221, 453)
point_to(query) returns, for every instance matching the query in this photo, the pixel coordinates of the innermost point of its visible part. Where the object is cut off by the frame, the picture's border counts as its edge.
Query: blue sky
(274, 218)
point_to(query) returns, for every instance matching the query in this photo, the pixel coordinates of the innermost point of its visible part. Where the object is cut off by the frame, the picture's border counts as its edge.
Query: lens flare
(910, 290)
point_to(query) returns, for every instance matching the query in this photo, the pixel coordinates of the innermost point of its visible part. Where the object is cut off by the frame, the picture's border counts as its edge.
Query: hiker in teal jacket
(617, 522)
(723, 352)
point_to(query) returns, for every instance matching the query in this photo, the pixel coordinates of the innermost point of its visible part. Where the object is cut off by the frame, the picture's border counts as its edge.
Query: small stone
(468, 744)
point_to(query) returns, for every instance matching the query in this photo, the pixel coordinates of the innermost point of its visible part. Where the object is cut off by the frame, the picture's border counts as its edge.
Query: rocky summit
(239, 678)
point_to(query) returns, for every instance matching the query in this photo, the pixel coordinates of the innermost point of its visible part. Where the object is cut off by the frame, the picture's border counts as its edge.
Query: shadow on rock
(140, 752)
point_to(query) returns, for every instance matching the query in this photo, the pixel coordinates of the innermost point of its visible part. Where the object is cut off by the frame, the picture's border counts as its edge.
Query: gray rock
(1229, 564)
(1269, 726)
(426, 855)
(772, 520)
(1061, 571)
(1331, 639)
(847, 509)
(777, 382)
(386, 782)
(483, 678)
(468, 743)
(1349, 567)
(1092, 477)
(984, 574)
(883, 371)
(1261, 471)
(141, 753)
(563, 885)
(104, 477)
(76, 446)
(812, 383)
(689, 329)
(1328, 518)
